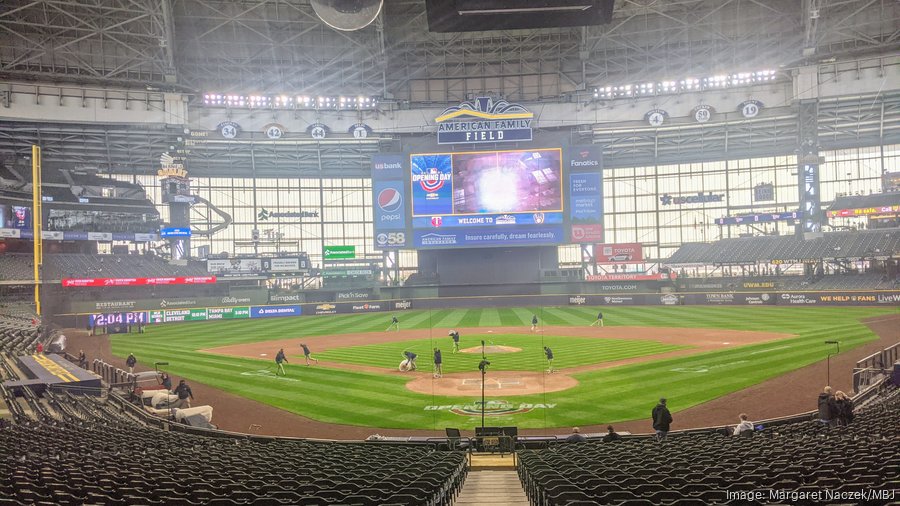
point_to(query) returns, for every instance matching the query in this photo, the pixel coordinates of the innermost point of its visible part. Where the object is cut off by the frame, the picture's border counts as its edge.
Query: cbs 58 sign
(390, 240)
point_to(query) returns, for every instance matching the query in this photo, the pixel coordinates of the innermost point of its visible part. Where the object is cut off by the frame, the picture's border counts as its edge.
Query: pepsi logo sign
(390, 200)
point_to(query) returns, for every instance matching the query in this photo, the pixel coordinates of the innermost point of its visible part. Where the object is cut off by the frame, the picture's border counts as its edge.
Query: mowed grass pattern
(567, 352)
(603, 396)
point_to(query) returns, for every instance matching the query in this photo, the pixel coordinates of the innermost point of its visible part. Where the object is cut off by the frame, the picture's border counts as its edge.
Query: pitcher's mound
(491, 348)
(503, 383)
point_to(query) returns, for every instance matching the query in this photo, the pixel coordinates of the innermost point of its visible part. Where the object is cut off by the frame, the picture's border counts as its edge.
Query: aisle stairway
(492, 488)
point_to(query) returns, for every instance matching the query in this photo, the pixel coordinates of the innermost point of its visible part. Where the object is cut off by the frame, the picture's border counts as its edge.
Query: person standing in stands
(280, 359)
(826, 405)
(166, 382)
(82, 359)
(598, 321)
(184, 393)
(455, 336)
(438, 370)
(575, 436)
(549, 354)
(39, 348)
(662, 420)
(534, 322)
(307, 355)
(611, 435)
(131, 361)
(395, 323)
(844, 405)
(745, 426)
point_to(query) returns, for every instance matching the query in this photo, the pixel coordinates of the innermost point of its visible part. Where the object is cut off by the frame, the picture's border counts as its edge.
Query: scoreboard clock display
(128, 318)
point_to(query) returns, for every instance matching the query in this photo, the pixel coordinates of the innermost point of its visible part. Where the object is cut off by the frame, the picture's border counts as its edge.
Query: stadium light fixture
(290, 101)
(667, 87)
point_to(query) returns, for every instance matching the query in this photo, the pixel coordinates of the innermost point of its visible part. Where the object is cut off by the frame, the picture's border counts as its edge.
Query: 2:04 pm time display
(129, 318)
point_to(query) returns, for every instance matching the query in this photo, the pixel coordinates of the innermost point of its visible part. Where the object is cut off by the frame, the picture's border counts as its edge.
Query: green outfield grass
(567, 352)
(602, 396)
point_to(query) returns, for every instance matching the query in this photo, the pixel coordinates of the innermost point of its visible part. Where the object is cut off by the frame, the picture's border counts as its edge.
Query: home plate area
(497, 382)
(492, 384)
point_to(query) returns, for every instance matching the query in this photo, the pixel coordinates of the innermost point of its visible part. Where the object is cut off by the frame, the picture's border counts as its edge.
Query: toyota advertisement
(625, 253)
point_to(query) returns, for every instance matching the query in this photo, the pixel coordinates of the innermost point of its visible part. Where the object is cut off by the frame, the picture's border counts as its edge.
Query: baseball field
(602, 375)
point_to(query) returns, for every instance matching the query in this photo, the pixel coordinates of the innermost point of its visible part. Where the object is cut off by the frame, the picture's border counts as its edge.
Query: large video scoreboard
(487, 198)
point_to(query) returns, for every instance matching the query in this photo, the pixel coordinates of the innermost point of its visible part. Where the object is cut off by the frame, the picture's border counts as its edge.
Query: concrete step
(491, 487)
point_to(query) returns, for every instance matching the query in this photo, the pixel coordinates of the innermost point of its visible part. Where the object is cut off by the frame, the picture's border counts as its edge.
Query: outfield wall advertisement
(155, 316)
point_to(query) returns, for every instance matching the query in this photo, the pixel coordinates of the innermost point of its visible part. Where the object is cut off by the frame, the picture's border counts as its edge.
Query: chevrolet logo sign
(325, 307)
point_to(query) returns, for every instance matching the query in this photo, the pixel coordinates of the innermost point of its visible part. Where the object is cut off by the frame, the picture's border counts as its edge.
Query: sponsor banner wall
(586, 197)
(94, 306)
(586, 158)
(286, 298)
(624, 253)
(630, 277)
(389, 198)
(94, 282)
(487, 237)
(284, 264)
(730, 298)
(233, 266)
(387, 166)
(586, 234)
(274, 311)
(839, 299)
(352, 295)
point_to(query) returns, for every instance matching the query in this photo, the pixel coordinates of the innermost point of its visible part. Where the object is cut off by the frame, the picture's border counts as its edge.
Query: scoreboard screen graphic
(487, 198)
(493, 182)
(126, 318)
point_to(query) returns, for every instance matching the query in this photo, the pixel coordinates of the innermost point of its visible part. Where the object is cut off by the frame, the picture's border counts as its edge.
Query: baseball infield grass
(567, 351)
(602, 396)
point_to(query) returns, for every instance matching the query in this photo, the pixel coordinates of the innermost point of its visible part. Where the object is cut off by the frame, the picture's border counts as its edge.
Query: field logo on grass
(491, 408)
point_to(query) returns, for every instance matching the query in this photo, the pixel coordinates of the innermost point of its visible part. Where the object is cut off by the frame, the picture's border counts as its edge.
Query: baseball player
(438, 371)
(549, 353)
(395, 323)
(455, 335)
(280, 358)
(534, 322)
(598, 321)
(307, 355)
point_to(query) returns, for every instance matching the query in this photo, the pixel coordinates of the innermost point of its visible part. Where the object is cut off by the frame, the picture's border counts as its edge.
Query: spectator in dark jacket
(131, 361)
(826, 407)
(82, 359)
(611, 435)
(575, 436)
(166, 381)
(844, 405)
(662, 419)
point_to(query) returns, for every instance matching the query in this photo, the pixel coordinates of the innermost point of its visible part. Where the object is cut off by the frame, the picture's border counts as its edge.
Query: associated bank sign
(484, 120)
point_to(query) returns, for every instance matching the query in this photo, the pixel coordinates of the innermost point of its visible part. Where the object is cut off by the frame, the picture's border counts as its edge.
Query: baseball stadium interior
(438, 252)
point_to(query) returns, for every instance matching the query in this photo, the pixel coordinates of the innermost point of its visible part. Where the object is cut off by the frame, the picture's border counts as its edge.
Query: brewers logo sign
(484, 120)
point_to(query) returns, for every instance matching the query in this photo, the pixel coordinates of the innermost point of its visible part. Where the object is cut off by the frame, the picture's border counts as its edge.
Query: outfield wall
(181, 314)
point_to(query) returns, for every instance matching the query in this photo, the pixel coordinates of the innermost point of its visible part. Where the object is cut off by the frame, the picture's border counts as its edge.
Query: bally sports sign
(484, 120)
